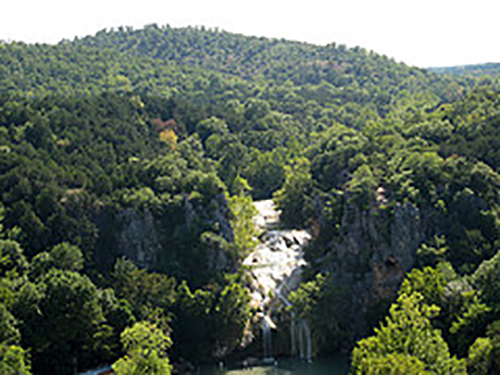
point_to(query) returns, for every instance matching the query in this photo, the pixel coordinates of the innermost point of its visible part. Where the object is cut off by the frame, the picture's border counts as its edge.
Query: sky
(424, 33)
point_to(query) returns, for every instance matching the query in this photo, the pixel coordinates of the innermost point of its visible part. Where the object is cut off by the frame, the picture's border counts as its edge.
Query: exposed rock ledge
(275, 263)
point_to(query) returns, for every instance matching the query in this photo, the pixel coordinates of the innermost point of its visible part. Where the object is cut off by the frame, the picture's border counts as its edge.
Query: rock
(370, 257)
(250, 362)
(275, 265)
(137, 238)
(143, 237)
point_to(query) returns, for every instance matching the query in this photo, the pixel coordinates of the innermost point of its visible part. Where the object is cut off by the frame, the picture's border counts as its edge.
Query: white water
(275, 266)
(267, 340)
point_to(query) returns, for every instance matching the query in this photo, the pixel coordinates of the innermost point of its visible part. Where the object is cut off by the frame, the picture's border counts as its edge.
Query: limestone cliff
(137, 238)
(162, 239)
(368, 259)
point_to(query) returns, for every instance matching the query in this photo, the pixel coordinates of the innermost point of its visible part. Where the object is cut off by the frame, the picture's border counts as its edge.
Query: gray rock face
(145, 238)
(137, 238)
(369, 259)
(215, 215)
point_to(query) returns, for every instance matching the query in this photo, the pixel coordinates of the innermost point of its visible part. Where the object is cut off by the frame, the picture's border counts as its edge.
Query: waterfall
(308, 348)
(305, 351)
(304, 338)
(266, 339)
(301, 346)
(275, 269)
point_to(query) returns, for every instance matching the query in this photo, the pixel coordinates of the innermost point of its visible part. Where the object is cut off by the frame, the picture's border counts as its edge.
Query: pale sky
(422, 33)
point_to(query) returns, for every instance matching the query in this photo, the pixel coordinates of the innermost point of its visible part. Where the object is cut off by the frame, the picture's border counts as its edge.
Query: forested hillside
(128, 164)
(478, 70)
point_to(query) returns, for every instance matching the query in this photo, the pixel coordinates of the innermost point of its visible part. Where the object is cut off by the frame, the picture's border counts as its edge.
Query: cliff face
(137, 238)
(153, 240)
(368, 260)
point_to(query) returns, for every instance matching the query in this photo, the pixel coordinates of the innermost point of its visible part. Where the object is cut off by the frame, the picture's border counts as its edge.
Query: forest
(129, 161)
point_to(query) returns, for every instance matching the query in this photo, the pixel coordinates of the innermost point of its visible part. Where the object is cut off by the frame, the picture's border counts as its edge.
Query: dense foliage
(489, 71)
(128, 164)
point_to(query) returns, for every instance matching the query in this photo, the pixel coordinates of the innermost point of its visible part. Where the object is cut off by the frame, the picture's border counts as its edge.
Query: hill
(476, 70)
(129, 161)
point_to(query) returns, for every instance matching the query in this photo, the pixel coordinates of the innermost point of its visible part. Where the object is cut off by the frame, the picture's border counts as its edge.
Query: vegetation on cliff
(128, 162)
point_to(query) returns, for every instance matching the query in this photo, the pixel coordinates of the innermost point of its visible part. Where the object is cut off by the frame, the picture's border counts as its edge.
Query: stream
(275, 266)
(276, 262)
(338, 365)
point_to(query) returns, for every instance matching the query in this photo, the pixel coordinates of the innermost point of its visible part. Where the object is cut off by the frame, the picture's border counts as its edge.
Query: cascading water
(275, 266)
(293, 327)
(267, 340)
(305, 351)
(307, 332)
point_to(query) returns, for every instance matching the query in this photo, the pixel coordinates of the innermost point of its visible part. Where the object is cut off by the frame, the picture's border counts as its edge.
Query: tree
(61, 317)
(242, 213)
(63, 256)
(305, 298)
(484, 354)
(232, 312)
(66, 257)
(480, 353)
(429, 282)
(11, 258)
(211, 126)
(146, 351)
(194, 323)
(265, 173)
(293, 198)
(406, 343)
(487, 279)
(14, 360)
(9, 334)
(169, 137)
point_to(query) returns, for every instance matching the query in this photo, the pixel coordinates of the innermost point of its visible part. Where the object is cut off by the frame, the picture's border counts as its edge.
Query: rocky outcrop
(214, 217)
(147, 238)
(137, 238)
(367, 261)
(275, 265)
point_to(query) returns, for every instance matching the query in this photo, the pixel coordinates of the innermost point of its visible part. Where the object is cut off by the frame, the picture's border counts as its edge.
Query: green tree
(14, 360)
(294, 197)
(61, 316)
(232, 313)
(407, 341)
(484, 354)
(146, 349)
(242, 213)
(12, 258)
(305, 298)
(429, 282)
(9, 334)
(487, 279)
(211, 126)
(66, 257)
(480, 356)
(265, 173)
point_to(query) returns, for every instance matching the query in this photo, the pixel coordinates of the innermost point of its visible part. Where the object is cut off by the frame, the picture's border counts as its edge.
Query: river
(338, 365)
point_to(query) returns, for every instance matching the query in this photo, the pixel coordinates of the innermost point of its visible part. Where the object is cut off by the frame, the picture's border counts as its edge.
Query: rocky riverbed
(275, 266)
(276, 262)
